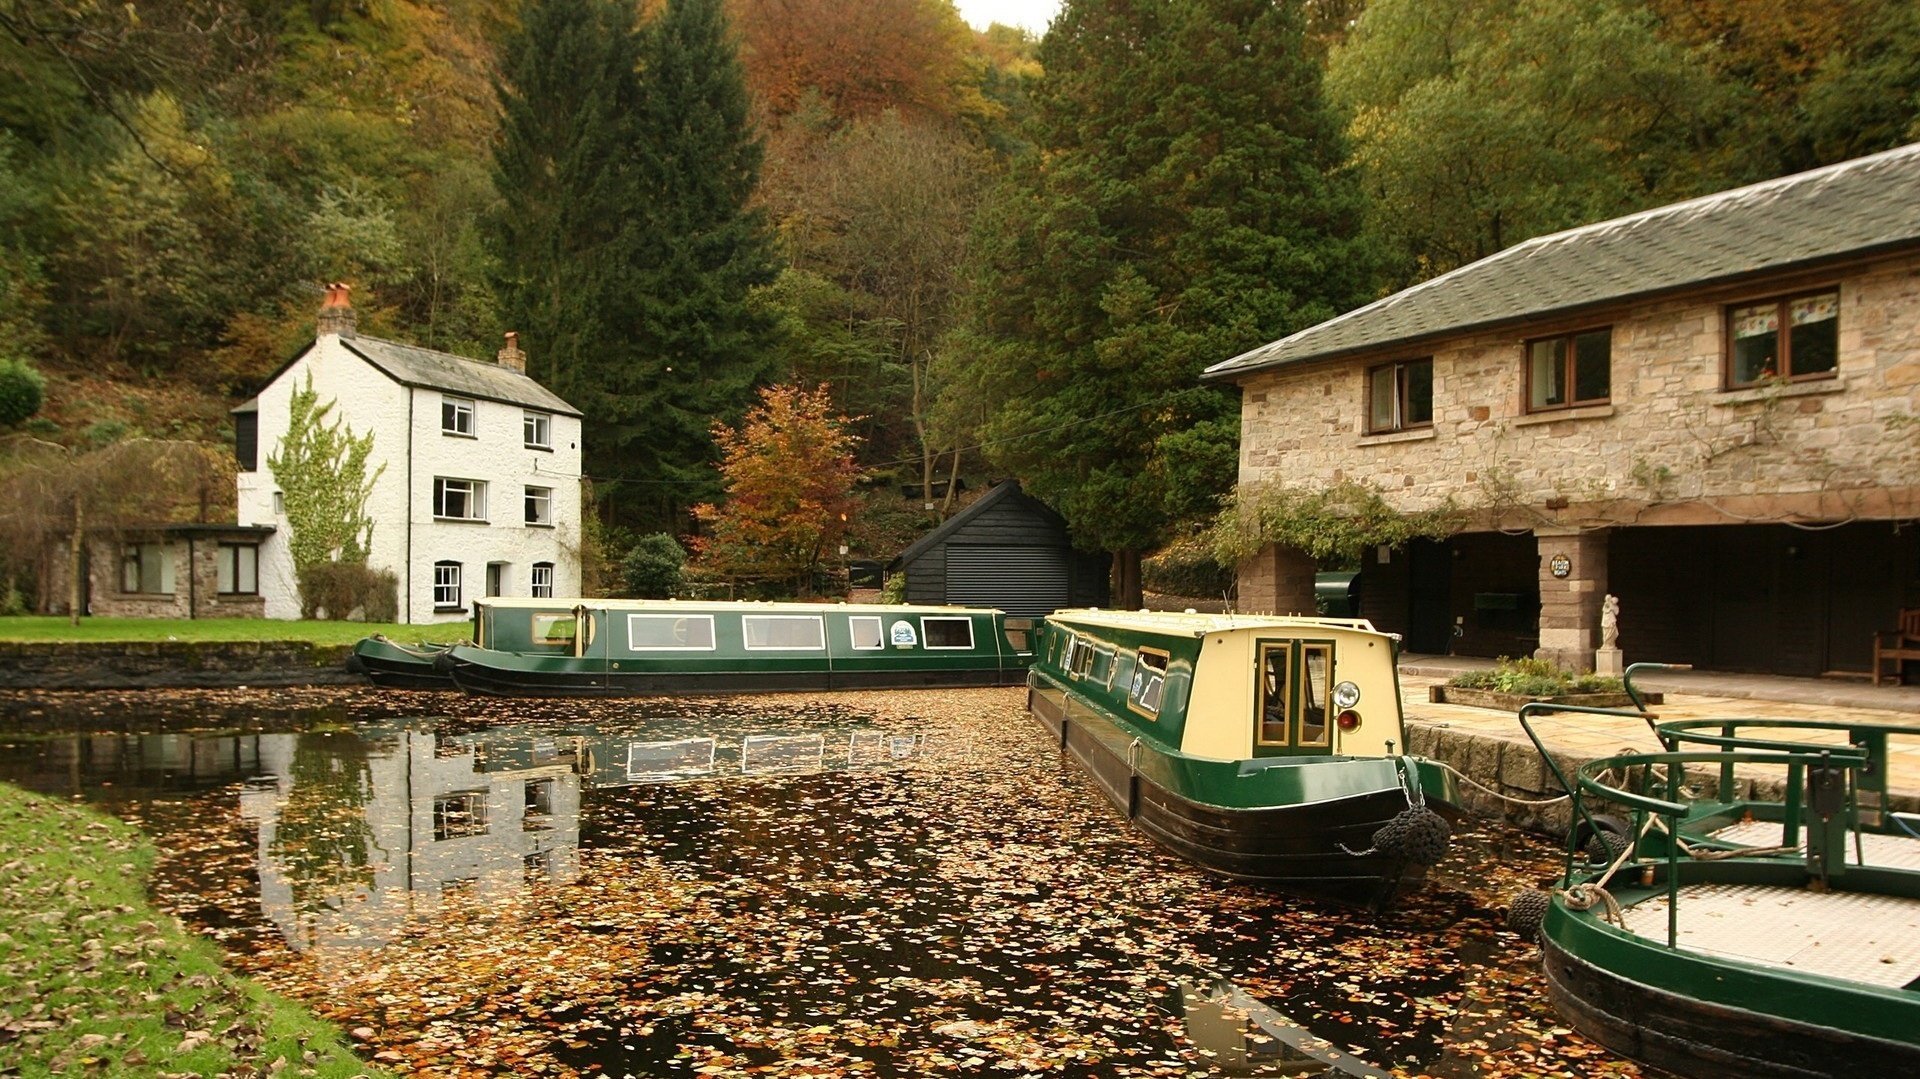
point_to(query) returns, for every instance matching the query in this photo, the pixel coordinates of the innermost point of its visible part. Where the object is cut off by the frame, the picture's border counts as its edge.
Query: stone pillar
(1278, 580)
(1573, 579)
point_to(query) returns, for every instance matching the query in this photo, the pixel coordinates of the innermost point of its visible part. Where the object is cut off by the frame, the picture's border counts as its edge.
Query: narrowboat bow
(633, 647)
(392, 665)
(1261, 748)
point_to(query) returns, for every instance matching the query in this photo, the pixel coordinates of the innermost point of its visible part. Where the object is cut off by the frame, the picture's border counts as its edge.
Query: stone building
(1710, 410)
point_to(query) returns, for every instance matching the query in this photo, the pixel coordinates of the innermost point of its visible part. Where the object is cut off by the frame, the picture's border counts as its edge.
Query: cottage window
(462, 814)
(147, 568)
(947, 632)
(537, 428)
(789, 631)
(537, 812)
(237, 571)
(1149, 681)
(542, 581)
(652, 632)
(1570, 371)
(539, 502)
(456, 416)
(866, 631)
(446, 586)
(459, 500)
(1796, 337)
(1400, 396)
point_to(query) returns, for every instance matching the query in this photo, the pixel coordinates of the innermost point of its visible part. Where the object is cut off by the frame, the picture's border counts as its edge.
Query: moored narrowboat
(536, 647)
(1267, 749)
(392, 665)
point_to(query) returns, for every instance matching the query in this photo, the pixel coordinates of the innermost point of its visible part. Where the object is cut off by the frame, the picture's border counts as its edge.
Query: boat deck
(1873, 939)
(1891, 851)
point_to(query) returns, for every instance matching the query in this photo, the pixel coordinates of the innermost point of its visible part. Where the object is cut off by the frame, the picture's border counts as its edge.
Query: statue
(1610, 621)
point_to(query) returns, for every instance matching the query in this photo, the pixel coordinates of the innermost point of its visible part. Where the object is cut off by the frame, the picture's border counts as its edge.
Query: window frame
(227, 559)
(819, 625)
(134, 556)
(879, 633)
(1076, 661)
(469, 820)
(536, 588)
(541, 424)
(529, 497)
(1569, 371)
(1295, 695)
(1143, 685)
(713, 641)
(1783, 308)
(452, 409)
(926, 639)
(454, 582)
(1400, 381)
(476, 498)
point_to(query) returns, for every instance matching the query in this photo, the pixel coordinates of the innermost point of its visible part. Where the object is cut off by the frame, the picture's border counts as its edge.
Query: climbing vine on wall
(321, 467)
(1333, 524)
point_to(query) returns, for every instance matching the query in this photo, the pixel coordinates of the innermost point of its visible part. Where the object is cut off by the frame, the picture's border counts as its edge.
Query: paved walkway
(1489, 746)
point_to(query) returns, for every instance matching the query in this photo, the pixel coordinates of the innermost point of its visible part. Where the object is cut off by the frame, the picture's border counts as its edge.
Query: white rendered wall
(406, 537)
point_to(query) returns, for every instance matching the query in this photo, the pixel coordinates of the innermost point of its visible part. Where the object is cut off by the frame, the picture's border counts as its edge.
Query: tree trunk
(953, 486)
(1126, 580)
(76, 558)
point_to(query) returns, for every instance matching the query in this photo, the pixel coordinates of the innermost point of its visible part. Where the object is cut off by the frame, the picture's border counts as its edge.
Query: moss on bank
(95, 981)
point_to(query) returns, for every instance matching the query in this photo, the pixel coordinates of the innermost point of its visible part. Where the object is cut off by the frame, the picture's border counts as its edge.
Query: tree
(1186, 203)
(789, 475)
(22, 388)
(858, 59)
(1481, 123)
(321, 469)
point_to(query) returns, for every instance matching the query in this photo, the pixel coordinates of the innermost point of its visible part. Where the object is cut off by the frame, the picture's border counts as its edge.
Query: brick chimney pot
(511, 356)
(336, 312)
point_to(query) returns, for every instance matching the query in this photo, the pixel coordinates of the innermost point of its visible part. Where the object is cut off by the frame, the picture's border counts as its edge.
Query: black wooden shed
(1007, 550)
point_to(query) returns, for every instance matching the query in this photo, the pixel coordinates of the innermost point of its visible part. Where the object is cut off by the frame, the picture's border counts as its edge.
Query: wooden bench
(1892, 648)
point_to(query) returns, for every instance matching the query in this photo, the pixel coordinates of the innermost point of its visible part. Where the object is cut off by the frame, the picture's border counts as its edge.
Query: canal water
(880, 884)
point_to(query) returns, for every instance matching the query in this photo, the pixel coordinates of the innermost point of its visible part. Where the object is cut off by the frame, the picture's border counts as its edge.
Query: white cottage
(480, 490)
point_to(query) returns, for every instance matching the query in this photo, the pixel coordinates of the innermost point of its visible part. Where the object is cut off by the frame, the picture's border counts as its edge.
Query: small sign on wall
(1560, 566)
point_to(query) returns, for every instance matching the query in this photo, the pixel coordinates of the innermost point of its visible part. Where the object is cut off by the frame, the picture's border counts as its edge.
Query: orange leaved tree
(789, 474)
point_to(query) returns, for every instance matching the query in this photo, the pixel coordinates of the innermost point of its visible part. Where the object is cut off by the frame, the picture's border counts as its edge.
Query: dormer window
(456, 416)
(538, 427)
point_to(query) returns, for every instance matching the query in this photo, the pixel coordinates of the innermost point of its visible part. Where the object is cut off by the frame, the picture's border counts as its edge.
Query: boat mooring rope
(1476, 784)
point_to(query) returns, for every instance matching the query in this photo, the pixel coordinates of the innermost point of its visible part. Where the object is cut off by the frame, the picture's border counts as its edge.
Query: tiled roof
(411, 365)
(1851, 208)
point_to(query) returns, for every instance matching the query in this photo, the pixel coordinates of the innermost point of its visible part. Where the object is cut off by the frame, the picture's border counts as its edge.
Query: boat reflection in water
(1239, 1035)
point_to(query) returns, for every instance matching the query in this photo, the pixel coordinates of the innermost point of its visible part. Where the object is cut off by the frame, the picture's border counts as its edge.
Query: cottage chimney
(511, 356)
(336, 312)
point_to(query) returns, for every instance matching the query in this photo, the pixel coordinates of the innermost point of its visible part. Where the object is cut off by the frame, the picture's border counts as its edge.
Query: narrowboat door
(1293, 698)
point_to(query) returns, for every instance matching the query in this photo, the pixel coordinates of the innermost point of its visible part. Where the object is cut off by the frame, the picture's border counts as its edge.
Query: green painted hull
(394, 666)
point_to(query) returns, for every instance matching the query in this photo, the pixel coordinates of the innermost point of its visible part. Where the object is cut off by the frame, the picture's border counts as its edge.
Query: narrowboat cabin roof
(747, 606)
(1200, 624)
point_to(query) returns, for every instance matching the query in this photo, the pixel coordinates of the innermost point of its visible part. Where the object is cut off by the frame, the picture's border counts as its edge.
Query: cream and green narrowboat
(601, 647)
(1266, 749)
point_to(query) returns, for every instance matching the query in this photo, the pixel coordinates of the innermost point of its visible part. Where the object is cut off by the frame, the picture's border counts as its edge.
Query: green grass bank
(95, 981)
(58, 628)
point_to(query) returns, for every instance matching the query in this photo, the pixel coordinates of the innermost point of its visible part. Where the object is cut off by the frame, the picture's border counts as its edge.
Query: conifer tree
(1185, 203)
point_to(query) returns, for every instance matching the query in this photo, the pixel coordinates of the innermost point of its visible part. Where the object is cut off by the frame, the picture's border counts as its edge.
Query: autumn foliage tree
(789, 475)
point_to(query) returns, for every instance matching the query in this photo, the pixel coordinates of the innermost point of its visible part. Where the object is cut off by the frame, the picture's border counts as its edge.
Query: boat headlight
(1346, 695)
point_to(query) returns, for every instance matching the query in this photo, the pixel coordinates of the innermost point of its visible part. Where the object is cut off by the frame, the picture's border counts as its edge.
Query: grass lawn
(57, 628)
(97, 982)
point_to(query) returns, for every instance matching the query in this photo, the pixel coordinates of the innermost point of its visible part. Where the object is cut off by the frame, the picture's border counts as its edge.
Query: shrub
(1186, 567)
(340, 589)
(895, 589)
(1532, 677)
(654, 567)
(22, 390)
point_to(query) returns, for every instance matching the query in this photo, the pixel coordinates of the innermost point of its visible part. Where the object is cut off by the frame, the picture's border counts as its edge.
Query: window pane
(1756, 342)
(554, 628)
(130, 570)
(866, 632)
(1419, 404)
(248, 569)
(1593, 366)
(1314, 663)
(1547, 373)
(950, 633)
(1273, 696)
(223, 569)
(1381, 400)
(784, 631)
(669, 631)
(1814, 346)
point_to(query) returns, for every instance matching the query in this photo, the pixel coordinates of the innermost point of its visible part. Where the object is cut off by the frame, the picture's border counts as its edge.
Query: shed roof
(411, 365)
(1000, 493)
(1851, 209)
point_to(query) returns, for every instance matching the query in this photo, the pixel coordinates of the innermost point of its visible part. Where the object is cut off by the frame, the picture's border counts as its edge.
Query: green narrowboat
(1265, 749)
(531, 647)
(1736, 934)
(392, 665)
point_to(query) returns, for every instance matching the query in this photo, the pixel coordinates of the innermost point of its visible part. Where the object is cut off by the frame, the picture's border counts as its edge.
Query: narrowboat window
(554, 628)
(803, 631)
(1316, 667)
(1079, 656)
(1149, 680)
(1019, 633)
(647, 632)
(1103, 665)
(947, 632)
(1273, 694)
(866, 632)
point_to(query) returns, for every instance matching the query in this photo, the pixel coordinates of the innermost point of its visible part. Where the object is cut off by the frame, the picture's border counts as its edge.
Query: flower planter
(1511, 702)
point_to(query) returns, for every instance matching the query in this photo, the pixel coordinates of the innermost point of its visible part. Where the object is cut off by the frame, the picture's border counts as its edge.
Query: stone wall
(154, 664)
(1671, 446)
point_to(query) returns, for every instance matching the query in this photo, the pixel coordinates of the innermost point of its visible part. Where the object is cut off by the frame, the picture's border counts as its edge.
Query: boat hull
(1691, 1036)
(1308, 847)
(511, 675)
(391, 666)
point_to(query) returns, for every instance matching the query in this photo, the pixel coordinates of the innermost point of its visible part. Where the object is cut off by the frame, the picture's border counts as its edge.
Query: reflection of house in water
(357, 831)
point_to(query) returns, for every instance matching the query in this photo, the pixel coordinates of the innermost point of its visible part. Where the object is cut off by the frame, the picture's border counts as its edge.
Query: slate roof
(1000, 493)
(411, 365)
(1853, 208)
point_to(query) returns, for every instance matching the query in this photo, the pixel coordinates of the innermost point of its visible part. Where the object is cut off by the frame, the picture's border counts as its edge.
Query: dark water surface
(870, 884)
